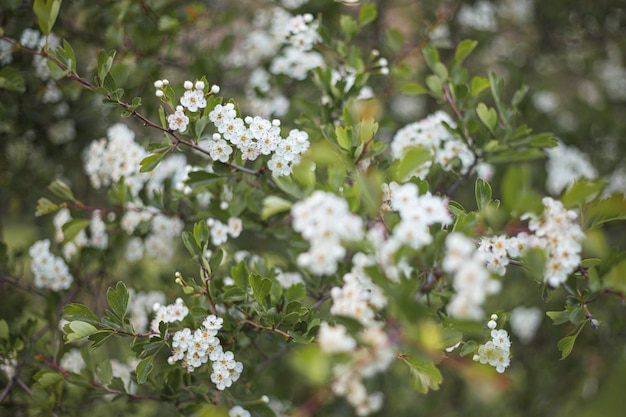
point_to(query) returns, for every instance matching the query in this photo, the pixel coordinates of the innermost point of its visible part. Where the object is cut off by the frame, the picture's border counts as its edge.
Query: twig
(269, 328)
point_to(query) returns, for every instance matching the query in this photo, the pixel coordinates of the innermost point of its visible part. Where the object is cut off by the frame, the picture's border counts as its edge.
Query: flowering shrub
(318, 214)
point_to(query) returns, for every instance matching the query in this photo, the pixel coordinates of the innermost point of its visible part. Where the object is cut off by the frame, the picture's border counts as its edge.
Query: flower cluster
(417, 214)
(118, 156)
(72, 361)
(220, 231)
(566, 165)
(297, 58)
(50, 271)
(358, 298)
(471, 282)
(325, 221)
(254, 136)
(168, 314)
(561, 237)
(525, 321)
(198, 347)
(373, 356)
(162, 232)
(238, 411)
(431, 134)
(497, 351)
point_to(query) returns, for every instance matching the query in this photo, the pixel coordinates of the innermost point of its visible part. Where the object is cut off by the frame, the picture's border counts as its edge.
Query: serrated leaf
(45, 206)
(201, 233)
(425, 375)
(79, 312)
(118, 299)
(566, 344)
(261, 287)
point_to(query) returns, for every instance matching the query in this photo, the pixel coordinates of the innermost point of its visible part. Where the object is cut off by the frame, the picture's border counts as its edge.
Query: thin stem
(269, 328)
(146, 122)
(22, 286)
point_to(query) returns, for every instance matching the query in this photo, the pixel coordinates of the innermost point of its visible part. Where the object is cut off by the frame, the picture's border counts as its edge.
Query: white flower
(238, 411)
(178, 120)
(335, 339)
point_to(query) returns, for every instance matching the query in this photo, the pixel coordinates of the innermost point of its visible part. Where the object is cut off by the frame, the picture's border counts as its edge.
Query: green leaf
(424, 374)
(582, 191)
(150, 162)
(558, 317)
(201, 233)
(431, 56)
(411, 161)
(79, 330)
(488, 116)
(105, 63)
(273, 205)
(604, 210)
(615, 279)
(434, 84)
(118, 299)
(190, 243)
(343, 139)
(414, 89)
(566, 344)
(478, 85)
(240, 273)
(144, 367)
(348, 25)
(543, 140)
(367, 14)
(47, 12)
(12, 80)
(261, 287)
(4, 330)
(463, 50)
(73, 228)
(514, 155)
(203, 178)
(45, 206)
(62, 190)
(483, 193)
(79, 312)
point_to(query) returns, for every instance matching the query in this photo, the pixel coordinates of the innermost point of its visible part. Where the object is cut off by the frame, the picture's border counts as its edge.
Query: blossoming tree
(272, 226)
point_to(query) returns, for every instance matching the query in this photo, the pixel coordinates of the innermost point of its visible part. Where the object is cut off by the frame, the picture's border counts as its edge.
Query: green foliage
(109, 220)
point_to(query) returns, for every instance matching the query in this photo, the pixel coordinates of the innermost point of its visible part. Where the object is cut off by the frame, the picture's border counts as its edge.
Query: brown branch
(268, 328)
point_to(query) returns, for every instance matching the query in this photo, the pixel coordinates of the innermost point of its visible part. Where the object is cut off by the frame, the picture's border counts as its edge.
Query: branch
(146, 122)
(269, 328)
